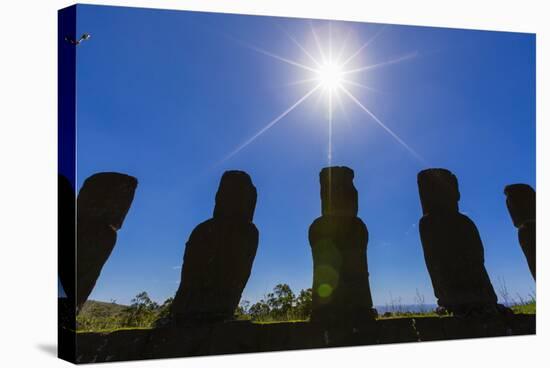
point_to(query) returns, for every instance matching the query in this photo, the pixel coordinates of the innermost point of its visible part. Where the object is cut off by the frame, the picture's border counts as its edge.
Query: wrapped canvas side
(66, 183)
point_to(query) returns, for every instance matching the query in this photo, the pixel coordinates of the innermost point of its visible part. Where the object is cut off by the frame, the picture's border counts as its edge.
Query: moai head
(106, 198)
(438, 189)
(521, 203)
(338, 195)
(236, 197)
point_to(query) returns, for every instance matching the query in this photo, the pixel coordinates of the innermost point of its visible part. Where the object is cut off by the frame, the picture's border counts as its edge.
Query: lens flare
(324, 290)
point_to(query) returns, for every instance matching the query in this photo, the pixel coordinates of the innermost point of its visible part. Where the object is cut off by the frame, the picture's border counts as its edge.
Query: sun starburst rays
(329, 75)
(270, 124)
(383, 126)
(364, 46)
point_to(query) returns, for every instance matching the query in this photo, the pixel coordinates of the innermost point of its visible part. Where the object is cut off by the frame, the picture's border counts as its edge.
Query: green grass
(526, 308)
(101, 317)
(409, 315)
(281, 321)
(109, 330)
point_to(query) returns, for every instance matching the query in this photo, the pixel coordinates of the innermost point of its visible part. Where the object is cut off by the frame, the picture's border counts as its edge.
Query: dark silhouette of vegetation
(279, 305)
(142, 312)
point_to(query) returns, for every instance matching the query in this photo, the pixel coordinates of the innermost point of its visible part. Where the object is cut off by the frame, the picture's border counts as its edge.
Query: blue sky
(166, 96)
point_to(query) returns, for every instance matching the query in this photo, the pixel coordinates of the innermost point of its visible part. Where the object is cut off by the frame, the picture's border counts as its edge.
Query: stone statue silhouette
(338, 239)
(521, 203)
(453, 250)
(218, 256)
(103, 202)
(66, 251)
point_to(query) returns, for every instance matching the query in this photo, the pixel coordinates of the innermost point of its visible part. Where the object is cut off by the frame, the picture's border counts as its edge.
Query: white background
(28, 159)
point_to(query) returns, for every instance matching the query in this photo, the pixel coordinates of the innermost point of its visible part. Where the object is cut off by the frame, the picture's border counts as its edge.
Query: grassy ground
(282, 321)
(102, 317)
(527, 308)
(109, 330)
(408, 315)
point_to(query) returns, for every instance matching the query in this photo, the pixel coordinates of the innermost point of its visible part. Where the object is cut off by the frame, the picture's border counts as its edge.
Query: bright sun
(332, 73)
(330, 76)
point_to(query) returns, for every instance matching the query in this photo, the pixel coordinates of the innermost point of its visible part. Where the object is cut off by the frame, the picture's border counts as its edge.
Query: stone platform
(245, 337)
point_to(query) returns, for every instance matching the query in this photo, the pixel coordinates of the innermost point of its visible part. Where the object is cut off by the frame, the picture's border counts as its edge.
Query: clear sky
(170, 97)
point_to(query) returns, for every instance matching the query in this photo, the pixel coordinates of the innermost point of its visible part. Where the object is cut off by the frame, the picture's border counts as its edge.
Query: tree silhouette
(142, 312)
(279, 305)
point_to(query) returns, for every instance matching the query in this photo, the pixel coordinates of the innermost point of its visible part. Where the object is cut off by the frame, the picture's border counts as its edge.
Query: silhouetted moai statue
(66, 251)
(338, 239)
(102, 205)
(218, 256)
(453, 250)
(521, 203)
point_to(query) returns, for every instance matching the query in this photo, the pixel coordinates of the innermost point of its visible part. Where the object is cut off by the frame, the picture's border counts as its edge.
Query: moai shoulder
(213, 244)
(456, 230)
(349, 231)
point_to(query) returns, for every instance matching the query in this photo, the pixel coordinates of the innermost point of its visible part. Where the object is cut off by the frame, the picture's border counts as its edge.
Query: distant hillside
(101, 309)
(97, 315)
(102, 316)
